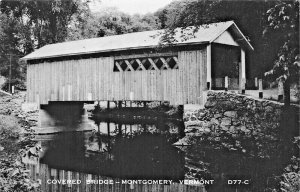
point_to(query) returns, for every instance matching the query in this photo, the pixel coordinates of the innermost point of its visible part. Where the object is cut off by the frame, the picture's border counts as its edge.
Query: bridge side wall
(94, 79)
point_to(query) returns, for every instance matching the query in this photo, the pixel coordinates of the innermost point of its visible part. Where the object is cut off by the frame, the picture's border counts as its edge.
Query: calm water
(118, 151)
(142, 149)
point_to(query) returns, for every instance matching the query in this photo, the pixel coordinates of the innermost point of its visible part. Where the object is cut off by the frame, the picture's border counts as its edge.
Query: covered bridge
(136, 66)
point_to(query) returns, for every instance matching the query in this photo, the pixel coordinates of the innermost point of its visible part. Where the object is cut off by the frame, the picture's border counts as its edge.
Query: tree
(82, 25)
(108, 22)
(27, 25)
(183, 14)
(284, 18)
(10, 53)
(162, 16)
(48, 20)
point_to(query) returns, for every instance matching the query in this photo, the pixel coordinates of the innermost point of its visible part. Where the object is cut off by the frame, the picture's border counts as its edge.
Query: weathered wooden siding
(94, 79)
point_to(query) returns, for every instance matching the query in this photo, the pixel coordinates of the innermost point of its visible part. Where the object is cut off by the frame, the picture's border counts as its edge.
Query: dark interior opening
(225, 61)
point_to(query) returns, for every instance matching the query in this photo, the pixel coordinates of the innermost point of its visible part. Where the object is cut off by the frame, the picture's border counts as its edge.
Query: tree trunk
(287, 97)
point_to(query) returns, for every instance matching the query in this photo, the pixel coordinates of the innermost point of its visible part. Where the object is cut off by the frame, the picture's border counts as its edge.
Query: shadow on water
(129, 151)
(143, 156)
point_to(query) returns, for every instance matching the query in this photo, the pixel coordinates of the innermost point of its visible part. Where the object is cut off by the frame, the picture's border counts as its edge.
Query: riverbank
(15, 140)
(239, 137)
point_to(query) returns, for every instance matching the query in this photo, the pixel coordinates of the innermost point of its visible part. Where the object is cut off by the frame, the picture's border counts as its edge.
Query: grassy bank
(15, 138)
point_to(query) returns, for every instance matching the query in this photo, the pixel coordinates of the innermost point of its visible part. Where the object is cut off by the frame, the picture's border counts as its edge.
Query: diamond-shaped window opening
(158, 63)
(146, 63)
(134, 64)
(172, 63)
(123, 65)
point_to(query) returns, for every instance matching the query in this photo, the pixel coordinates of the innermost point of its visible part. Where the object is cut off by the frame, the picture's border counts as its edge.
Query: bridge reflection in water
(113, 152)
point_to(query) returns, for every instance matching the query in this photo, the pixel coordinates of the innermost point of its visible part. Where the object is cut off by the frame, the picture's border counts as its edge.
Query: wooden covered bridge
(136, 66)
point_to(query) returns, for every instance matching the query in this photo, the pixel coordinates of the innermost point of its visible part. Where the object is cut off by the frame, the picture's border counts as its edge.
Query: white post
(260, 88)
(208, 66)
(256, 83)
(226, 83)
(243, 87)
(12, 89)
(53, 172)
(243, 71)
(243, 63)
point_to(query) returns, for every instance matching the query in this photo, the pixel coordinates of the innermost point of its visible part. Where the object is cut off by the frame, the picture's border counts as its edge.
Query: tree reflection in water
(141, 151)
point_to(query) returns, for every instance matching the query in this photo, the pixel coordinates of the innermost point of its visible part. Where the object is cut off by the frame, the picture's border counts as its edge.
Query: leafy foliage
(26, 25)
(10, 49)
(48, 20)
(13, 175)
(15, 178)
(109, 22)
(284, 17)
(290, 180)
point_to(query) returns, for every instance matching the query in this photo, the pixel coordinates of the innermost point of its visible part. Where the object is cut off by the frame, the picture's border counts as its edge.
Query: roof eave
(110, 50)
(245, 39)
(250, 47)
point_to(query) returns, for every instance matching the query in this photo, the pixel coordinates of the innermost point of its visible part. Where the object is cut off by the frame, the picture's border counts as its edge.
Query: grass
(9, 135)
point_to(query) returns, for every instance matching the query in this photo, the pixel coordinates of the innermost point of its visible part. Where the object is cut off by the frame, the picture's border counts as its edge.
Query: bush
(9, 127)
(18, 83)
(13, 175)
(290, 181)
(15, 178)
